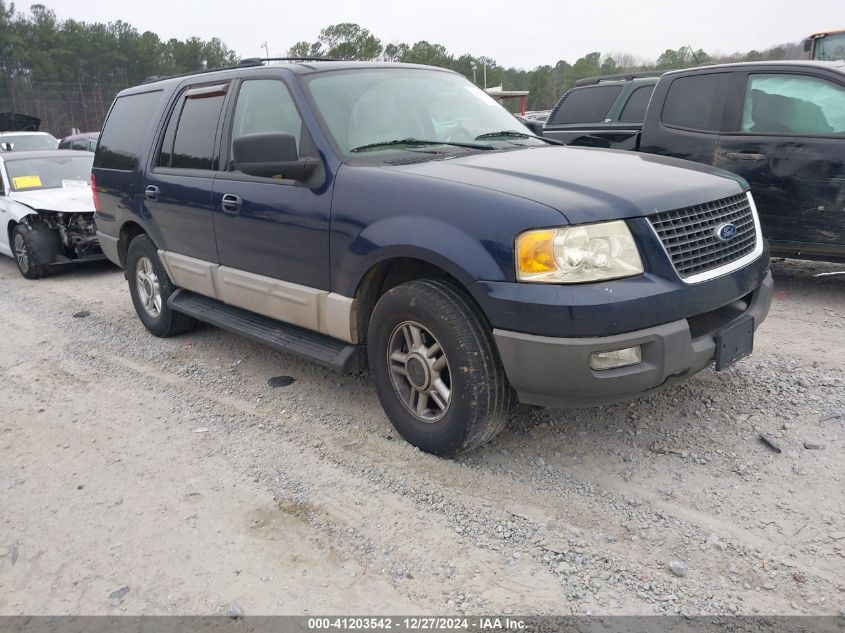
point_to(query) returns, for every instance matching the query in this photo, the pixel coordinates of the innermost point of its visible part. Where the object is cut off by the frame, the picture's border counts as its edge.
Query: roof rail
(591, 81)
(244, 63)
(153, 78)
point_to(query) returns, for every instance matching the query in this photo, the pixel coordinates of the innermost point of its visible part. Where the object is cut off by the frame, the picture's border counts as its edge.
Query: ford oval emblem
(726, 232)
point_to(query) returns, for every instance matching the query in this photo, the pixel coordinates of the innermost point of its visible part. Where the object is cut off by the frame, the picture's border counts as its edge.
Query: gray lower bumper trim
(109, 246)
(550, 371)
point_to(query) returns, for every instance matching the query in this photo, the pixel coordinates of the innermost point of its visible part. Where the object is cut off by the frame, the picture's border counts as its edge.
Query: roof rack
(244, 63)
(257, 61)
(592, 81)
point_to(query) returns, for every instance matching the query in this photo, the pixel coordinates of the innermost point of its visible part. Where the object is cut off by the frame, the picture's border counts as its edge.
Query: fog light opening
(616, 358)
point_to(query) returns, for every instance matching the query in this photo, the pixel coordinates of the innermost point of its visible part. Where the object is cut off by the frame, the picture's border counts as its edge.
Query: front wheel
(436, 369)
(150, 288)
(26, 254)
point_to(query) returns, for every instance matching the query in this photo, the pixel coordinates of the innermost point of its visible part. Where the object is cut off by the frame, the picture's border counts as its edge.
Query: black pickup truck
(779, 125)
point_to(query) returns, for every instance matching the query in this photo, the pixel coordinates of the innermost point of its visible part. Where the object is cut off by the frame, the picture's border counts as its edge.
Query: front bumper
(552, 371)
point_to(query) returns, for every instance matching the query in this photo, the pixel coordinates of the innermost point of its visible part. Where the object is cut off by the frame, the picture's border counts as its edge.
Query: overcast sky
(514, 33)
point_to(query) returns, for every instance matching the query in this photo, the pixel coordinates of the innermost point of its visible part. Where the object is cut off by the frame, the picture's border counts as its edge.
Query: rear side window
(586, 105)
(696, 102)
(189, 138)
(126, 134)
(634, 110)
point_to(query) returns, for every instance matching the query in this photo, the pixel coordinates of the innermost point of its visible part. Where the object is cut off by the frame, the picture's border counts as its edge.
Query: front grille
(689, 235)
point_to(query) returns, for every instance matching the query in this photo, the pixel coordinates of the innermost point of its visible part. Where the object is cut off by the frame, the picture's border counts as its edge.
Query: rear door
(178, 183)
(787, 138)
(685, 116)
(624, 131)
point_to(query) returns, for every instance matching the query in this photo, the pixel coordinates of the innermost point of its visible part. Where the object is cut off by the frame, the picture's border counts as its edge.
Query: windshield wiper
(416, 142)
(515, 134)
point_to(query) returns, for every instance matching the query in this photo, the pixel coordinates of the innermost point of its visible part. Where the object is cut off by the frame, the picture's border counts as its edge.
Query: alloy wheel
(21, 253)
(419, 371)
(149, 289)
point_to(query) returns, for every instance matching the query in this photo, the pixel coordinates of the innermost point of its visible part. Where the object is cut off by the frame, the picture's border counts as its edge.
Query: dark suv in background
(396, 217)
(603, 111)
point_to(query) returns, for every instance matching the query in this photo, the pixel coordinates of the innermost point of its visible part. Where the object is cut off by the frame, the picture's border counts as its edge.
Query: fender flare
(462, 256)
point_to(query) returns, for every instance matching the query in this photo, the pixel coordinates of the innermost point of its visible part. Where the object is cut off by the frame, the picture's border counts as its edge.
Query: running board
(312, 346)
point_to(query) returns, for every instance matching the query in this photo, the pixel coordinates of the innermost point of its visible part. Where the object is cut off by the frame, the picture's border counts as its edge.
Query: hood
(588, 184)
(70, 200)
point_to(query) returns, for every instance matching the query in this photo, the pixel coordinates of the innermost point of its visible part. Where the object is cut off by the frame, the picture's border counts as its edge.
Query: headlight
(577, 254)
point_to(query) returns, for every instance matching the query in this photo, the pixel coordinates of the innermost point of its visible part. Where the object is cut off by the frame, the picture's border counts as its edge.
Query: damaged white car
(47, 210)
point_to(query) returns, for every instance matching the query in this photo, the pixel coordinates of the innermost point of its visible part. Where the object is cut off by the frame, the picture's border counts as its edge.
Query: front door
(277, 229)
(790, 145)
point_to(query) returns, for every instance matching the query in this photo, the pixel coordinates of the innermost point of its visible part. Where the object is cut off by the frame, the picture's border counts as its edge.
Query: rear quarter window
(585, 105)
(696, 102)
(127, 133)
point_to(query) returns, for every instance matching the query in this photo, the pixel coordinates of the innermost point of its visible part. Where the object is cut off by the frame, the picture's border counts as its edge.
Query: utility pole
(485, 75)
(474, 67)
(266, 49)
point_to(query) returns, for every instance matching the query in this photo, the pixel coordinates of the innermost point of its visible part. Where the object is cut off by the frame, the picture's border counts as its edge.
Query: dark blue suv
(396, 217)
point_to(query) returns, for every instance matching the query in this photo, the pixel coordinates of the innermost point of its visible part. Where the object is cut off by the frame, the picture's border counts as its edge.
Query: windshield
(21, 142)
(367, 107)
(68, 172)
(830, 48)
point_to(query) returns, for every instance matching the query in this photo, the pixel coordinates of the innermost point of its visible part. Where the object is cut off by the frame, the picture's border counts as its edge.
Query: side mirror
(7, 147)
(271, 156)
(808, 44)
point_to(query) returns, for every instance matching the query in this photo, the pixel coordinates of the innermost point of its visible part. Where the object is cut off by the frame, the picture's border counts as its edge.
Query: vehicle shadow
(791, 274)
(79, 271)
(83, 270)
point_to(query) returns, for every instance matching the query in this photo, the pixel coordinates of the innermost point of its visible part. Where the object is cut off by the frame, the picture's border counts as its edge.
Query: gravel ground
(142, 475)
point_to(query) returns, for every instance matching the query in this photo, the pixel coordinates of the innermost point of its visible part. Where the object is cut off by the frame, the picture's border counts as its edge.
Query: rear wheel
(437, 372)
(26, 254)
(150, 288)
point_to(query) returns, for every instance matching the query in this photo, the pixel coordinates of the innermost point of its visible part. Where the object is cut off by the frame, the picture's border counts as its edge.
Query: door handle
(151, 192)
(744, 156)
(231, 203)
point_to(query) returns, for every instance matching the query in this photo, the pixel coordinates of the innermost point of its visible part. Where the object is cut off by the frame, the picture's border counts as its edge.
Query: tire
(408, 369)
(150, 288)
(26, 253)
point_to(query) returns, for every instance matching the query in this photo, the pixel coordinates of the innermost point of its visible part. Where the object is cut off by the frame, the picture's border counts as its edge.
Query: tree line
(546, 83)
(66, 72)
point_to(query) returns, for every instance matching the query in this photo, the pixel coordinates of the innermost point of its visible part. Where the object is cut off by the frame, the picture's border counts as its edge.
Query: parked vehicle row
(778, 125)
(396, 217)
(86, 142)
(27, 141)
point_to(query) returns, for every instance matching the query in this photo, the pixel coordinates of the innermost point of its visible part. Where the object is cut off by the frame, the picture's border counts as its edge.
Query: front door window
(793, 104)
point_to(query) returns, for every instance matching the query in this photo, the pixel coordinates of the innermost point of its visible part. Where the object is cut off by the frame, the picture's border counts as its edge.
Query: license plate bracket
(734, 342)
